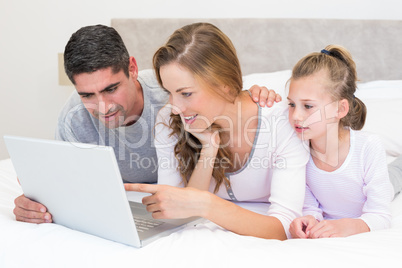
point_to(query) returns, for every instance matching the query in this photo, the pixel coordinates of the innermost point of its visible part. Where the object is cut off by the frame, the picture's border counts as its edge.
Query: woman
(215, 144)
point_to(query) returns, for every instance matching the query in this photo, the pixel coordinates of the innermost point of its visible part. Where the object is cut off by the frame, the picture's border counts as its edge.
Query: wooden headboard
(267, 45)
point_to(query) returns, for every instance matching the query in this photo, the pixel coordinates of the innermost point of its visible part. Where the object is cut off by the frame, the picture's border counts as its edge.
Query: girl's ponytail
(357, 114)
(346, 89)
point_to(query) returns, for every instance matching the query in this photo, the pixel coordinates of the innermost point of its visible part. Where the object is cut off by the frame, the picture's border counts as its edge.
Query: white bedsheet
(207, 245)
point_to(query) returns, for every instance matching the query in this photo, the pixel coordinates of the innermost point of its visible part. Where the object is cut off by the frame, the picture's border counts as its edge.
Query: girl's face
(312, 111)
(197, 106)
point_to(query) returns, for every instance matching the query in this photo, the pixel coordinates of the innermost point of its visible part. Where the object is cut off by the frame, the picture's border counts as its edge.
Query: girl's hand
(300, 227)
(338, 228)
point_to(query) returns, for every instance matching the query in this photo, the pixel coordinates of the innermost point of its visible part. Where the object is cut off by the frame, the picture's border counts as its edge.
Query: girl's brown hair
(210, 56)
(342, 76)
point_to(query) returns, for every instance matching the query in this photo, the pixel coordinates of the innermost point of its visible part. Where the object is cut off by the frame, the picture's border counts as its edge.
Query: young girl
(221, 145)
(348, 190)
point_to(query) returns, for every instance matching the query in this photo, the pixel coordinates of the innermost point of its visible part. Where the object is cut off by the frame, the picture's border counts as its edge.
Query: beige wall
(32, 33)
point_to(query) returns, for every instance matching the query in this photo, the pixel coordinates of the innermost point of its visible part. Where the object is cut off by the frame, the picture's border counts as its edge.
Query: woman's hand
(169, 202)
(209, 140)
(202, 174)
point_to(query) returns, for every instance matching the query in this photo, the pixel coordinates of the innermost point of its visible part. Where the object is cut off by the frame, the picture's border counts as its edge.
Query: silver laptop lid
(80, 184)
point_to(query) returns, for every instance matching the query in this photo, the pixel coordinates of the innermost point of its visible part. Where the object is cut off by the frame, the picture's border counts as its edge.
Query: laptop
(81, 186)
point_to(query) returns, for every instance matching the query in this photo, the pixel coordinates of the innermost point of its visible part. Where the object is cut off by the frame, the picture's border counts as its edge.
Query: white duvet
(206, 245)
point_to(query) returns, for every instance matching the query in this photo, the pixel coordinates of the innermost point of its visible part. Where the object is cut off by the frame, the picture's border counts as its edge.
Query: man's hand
(27, 210)
(264, 96)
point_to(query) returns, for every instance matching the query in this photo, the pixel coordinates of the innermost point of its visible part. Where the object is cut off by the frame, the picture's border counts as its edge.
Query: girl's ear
(343, 108)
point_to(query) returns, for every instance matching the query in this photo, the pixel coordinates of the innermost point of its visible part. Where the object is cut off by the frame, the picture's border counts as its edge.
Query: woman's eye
(291, 104)
(186, 94)
(308, 106)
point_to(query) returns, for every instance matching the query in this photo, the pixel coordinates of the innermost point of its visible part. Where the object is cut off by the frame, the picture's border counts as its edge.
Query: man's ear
(133, 68)
(343, 108)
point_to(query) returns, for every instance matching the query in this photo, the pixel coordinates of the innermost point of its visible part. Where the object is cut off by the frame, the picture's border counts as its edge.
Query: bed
(267, 48)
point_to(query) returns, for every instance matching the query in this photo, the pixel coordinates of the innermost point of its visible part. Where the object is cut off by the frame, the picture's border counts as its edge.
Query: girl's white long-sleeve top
(360, 188)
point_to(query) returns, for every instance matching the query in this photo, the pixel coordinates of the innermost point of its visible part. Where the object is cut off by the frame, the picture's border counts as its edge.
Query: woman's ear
(343, 108)
(226, 89)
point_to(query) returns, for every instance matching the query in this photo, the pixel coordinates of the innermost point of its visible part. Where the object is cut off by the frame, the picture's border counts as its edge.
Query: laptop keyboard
(146, 224)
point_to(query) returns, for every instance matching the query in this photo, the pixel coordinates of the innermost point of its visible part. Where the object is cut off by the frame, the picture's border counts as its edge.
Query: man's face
(110, 97)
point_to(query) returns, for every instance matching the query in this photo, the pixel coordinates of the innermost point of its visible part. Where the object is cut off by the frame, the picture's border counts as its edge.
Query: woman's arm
(245, 222)
(168, 173)
(202, 173)
(312, 214)
(167, 202)
(164, 144)
(288, 181)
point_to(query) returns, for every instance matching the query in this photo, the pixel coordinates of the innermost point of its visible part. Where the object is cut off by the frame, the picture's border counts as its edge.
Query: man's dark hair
(95, 47)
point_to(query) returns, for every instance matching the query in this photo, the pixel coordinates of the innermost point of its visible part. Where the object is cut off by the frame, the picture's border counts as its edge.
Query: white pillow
(276, 80)
(383, 99)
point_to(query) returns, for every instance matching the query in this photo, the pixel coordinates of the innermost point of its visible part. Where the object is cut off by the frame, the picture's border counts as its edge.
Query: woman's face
(196, 104)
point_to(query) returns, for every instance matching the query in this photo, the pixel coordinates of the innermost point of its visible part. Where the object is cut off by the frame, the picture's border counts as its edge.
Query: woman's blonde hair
(210, 56)
(342, 76)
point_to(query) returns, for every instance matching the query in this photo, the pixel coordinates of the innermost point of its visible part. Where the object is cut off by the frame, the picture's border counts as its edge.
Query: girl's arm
(338, 228)
(377, 186)
(311, 205)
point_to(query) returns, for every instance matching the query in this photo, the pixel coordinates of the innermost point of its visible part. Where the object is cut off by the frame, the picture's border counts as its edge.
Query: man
(395, 174)
(114, 104)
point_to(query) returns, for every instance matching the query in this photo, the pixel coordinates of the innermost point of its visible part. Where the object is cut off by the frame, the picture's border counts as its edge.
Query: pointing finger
(144, 188)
